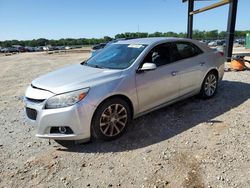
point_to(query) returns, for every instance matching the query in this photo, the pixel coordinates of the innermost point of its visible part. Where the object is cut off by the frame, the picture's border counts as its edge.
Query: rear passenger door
(190, 63)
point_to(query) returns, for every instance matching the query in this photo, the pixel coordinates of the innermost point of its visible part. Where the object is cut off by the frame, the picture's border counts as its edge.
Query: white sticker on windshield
(135, 46)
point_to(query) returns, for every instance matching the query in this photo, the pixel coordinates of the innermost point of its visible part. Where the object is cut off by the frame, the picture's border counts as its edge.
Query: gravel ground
(194, 143)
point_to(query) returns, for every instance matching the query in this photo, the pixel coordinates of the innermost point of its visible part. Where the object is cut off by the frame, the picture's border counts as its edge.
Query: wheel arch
(214, 69)
(121, 96)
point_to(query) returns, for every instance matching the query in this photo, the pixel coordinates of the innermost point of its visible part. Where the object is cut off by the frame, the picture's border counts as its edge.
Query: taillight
(221, 53)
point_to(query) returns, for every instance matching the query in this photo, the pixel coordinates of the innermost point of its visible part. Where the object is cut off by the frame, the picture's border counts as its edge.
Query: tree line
(197, 34)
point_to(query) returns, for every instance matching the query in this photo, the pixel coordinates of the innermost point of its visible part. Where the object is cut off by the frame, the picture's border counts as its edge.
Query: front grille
(35, 100)
(31, 113)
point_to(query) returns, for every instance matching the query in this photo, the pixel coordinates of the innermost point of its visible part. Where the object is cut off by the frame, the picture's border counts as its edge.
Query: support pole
(231, 29)
(190, 19)
(215, 5)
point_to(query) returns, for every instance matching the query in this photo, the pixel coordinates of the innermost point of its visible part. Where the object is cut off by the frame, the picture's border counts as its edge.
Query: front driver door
(158, 86)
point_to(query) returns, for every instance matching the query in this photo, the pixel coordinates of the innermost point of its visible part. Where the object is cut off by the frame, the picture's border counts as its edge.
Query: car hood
(74, 77)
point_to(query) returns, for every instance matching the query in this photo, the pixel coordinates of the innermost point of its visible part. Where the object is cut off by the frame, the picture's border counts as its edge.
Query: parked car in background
(99, 46)
(221, 42)
(38, 49)
(68, 47)
(239, 42)
(4, 50)
(57, 47)
(21, 49)
(9, 50)
(125, 80)
(96, 51)
(18, 48)
(60, 47)
(47, 48)
(29, 49)
(216, 43)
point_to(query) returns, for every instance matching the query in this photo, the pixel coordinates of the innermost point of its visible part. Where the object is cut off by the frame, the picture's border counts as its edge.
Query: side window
(187, 50)
(160, 55)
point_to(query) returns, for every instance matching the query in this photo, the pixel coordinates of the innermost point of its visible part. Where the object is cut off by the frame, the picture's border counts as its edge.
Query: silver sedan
(99, 97)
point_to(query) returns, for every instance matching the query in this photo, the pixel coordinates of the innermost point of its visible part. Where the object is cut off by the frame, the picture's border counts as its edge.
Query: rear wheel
(209, 86)
(111, 119)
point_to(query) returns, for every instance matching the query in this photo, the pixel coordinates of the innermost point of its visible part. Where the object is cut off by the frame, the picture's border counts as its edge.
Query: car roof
(153, 40)
(158, 40)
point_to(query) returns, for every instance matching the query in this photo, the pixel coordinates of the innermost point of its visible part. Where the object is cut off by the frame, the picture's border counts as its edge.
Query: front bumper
(77, 118)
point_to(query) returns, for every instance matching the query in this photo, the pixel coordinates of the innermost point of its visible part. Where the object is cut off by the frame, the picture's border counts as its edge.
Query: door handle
(202, 63)
(174, 73)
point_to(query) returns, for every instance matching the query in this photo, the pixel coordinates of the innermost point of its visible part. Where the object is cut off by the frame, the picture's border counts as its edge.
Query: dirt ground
(194, 143)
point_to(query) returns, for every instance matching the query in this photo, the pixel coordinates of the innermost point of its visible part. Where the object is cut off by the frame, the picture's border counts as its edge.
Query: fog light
(62, 130)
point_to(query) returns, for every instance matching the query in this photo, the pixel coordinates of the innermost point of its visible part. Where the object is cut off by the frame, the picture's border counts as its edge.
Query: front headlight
(66, 99)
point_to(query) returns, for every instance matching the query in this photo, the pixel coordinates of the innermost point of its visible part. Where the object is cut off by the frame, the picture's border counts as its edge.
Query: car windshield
(116, 56)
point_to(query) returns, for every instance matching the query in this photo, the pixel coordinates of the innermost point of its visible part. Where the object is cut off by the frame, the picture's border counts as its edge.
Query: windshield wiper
(95, 66)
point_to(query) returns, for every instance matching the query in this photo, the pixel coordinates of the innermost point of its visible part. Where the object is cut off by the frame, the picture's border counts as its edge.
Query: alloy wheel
(113, 120)
(210, 85)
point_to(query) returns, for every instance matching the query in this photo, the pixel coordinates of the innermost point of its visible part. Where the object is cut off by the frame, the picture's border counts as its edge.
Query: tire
(111, 119)
(209, 86)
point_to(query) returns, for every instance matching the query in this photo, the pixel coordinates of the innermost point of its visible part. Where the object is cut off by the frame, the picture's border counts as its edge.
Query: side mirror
(147, 67)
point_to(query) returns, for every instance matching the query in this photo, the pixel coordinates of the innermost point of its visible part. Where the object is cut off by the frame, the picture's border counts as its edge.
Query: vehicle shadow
(170, 121)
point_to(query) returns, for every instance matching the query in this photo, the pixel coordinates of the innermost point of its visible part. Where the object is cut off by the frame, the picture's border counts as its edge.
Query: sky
(55, 19)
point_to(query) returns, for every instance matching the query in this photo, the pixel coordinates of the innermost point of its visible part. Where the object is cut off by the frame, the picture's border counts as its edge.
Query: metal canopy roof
(230, 23)
(195, 0)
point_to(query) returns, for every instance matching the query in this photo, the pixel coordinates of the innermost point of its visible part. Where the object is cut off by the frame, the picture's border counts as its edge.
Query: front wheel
(209, 86)
(111, 119)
